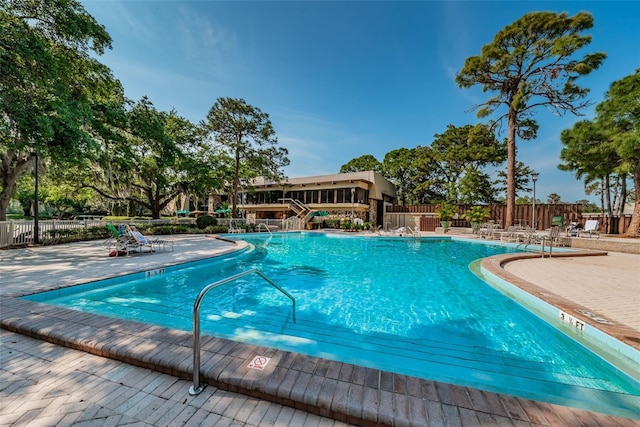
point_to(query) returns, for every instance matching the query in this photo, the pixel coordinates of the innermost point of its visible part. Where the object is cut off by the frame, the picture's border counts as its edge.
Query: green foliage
(429, 184)
(216, 229)
(522, 179)
(607, 149)
(157, 157)
(530, 64)
(204, 221)
(477, 214)
(53, 89)
(331, 223)
(246, 134)
(553, 198)
(458, 155)
(475, 187)
(399, 166)
(587, 206)
(362, 164)
(170, 229)
(111, 218)
(67, 235)
(446, 211)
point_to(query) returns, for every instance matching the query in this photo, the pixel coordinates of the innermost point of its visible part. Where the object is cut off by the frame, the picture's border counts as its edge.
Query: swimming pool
(401, 305)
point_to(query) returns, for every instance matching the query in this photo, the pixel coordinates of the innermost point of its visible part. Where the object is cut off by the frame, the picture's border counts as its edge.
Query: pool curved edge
(495, 266)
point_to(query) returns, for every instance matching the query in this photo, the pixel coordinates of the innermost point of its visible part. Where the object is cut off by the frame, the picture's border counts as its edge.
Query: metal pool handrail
(263, 225)
(197, 388)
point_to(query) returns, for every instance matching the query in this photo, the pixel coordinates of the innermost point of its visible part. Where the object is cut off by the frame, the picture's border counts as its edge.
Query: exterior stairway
(301, 212)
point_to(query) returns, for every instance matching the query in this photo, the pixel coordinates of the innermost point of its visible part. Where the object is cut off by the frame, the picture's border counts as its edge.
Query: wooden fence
(613, 225)
(544, 214)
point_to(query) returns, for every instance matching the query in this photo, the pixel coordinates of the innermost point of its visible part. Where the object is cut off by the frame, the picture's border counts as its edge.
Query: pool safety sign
(259, 362)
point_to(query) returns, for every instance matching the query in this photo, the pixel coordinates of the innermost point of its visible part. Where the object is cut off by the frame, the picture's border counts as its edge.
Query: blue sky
(344, 79)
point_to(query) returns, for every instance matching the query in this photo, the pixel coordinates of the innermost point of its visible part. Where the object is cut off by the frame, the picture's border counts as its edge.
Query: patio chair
(590, 229)
(553, 238)
(144, 241)
(572, 229)
(512, 234)
(120, 242)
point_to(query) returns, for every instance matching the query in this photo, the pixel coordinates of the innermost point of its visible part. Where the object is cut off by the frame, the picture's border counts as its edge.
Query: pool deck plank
(292, 390)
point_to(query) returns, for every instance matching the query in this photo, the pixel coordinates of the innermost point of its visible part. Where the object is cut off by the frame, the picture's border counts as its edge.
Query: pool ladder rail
(414, 232)
(197, 387)
(261, 225)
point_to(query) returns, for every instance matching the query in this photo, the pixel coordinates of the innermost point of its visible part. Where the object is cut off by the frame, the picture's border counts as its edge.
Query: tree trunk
(608, 201)
(602, 195)
(634, 227)
(511, 171)
(13, 165)
(236, 181)
(4, 204)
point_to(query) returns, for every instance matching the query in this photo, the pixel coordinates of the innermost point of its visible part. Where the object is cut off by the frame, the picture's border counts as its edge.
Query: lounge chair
(590, 229)
(120, 242)
(512, 234)
(572, 229)
(144, 241)
(233, 227)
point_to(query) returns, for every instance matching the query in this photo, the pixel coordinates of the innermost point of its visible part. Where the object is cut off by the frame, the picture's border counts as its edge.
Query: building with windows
(362, 195)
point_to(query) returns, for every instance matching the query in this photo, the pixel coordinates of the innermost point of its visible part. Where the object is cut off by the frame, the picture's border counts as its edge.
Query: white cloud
(208, 45)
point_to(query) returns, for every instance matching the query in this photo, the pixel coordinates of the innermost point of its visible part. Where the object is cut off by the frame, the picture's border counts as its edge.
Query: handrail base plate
(196, 391)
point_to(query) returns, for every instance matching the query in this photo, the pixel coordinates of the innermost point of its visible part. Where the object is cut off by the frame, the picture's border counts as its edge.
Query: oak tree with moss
(54, 95)
(531, 64)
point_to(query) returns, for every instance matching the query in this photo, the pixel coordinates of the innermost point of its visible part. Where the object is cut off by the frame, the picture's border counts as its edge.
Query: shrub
(446, 211)
(477, 214)
(204, 221)
(172, 229)
(331, 223)
(116, 218)
(216, 229)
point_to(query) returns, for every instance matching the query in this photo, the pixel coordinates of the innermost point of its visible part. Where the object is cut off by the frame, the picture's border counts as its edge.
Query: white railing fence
(272, 224)
(21, 232)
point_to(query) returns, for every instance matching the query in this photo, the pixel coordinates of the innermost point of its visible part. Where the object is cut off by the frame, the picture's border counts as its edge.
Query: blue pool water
(402, 305)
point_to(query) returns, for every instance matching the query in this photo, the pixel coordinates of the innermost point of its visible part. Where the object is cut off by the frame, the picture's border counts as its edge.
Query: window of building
(361, 196)
(327, 196)
(343, 195)
(297, 195)
(311, 196)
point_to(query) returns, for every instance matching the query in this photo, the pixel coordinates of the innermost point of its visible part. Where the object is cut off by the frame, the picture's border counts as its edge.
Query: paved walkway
(45, 384)
(604, 284)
